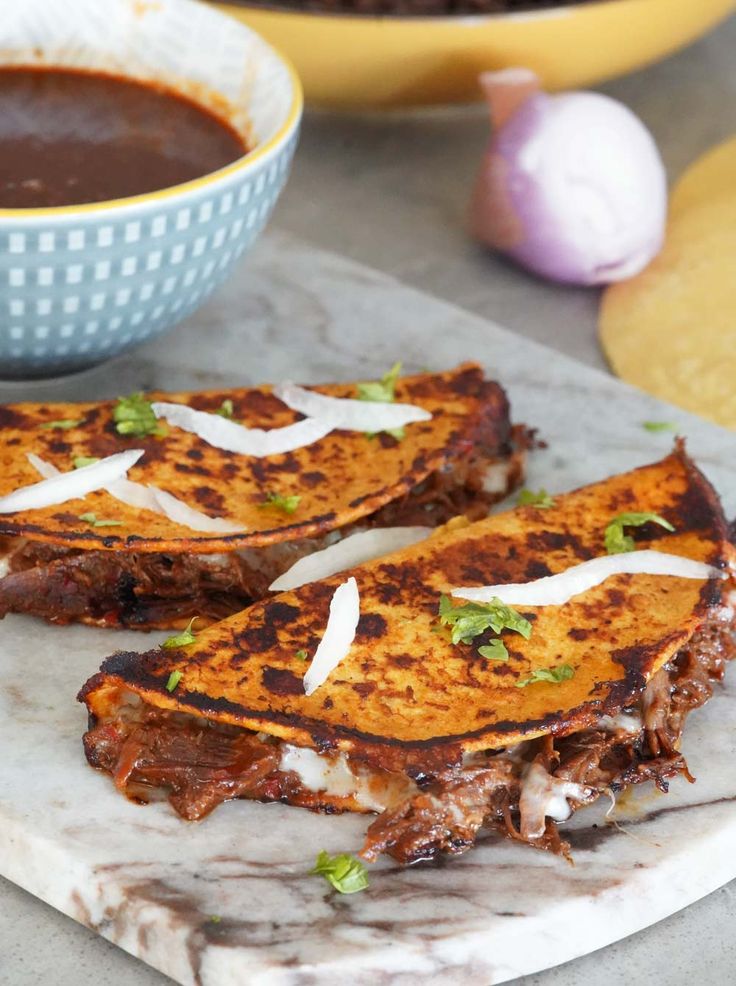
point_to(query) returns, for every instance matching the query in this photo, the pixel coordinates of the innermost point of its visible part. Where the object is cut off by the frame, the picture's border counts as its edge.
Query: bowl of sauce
(142, 149)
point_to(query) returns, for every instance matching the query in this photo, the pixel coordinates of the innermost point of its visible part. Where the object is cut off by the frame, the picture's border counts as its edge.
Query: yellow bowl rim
(241, 164)
(347, 15)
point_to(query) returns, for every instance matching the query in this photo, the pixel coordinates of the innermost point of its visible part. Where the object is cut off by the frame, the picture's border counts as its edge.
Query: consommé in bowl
(82, 283)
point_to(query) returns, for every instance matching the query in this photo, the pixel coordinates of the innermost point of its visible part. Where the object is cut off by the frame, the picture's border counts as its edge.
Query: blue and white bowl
(80, 284)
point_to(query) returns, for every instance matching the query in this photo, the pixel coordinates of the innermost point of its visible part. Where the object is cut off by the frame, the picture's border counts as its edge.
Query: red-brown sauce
(69, 137)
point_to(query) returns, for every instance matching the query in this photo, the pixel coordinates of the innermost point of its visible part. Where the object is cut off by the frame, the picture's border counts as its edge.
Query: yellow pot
(349, 62)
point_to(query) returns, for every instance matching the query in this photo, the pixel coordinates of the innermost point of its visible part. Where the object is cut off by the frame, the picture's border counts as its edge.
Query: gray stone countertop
(390, 191)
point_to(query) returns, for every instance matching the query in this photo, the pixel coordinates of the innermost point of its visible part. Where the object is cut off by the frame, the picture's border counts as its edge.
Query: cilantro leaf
(63, 424)
(383, 391)
(279, 502)
(225, 410)
(134, 416)
(562, 672)
(184, 638)
(473, 619)
(174, 679)
(84, 460)
(656, 426)
(302, 655)
(346, 874)
(617, 542)
(495, 650)
(542, 499)
(94, 522)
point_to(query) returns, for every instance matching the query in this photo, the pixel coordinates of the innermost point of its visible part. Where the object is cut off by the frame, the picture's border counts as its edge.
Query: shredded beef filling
(120, 588)
(201, 763)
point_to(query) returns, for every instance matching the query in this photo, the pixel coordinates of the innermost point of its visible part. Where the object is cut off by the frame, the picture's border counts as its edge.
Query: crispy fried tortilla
(150, 571)
(408, 715)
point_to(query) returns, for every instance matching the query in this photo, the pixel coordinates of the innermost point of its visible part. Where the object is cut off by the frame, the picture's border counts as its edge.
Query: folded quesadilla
(503, 674)
(150, 510)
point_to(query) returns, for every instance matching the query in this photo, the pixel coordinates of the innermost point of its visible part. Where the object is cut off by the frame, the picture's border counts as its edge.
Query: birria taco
(504, 673)
(150, 510)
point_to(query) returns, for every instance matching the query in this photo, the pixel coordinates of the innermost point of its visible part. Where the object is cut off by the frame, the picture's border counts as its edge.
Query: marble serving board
(230, 900)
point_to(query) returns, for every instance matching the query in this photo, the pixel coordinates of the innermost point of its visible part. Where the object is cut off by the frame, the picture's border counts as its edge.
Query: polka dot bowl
(80, 284)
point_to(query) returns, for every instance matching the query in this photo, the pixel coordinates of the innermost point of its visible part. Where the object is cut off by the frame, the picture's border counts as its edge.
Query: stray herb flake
(279, 502)
(184, 638)
(656, 426)
(225, 410)
(346, 874)
(134, 416)
(64, 424)
(617, 542)
(84, 460)
(302, 655)
(542, 499)
(215, 919)
(473, 619)
(562, 672)
(174, 679)
(383, 391)
(397, 433)
(92, 519)
(495, 650)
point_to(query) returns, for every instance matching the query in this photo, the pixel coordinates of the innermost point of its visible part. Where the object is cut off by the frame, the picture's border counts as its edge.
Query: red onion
(572, 186)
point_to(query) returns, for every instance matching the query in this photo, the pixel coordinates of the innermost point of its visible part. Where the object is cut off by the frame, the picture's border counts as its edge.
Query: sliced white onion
(125, 490)
(232, 437)
(46, 469)
(355, 549)
(338, 636)
(182, 513)
(348, 414)
(74, 485)
(134, 494)
(150, 498)
(554, 590)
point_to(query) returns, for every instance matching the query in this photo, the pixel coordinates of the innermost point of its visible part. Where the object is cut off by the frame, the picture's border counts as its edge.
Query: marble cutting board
(152, 883)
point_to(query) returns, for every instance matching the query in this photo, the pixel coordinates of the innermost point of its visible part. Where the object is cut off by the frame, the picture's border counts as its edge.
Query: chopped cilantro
(92, 519)
(225, 410)
(397, 433)
(302, 655)
(542, 499)
(555, 675)
(495, 650)
(184, 638)
(63, 424)
(174, 679)
(279, 502)
(84, 460)
(346, 874)
(473, 619)
(617, 542)
(383, 391)
(656, 426)
(134, 416)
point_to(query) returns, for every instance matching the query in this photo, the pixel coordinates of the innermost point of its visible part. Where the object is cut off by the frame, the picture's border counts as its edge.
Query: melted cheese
(496, 477)
(544, 796)
(621, 723)
(336, 777)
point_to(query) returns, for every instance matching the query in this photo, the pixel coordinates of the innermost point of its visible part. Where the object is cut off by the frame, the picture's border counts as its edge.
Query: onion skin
(573, 188)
